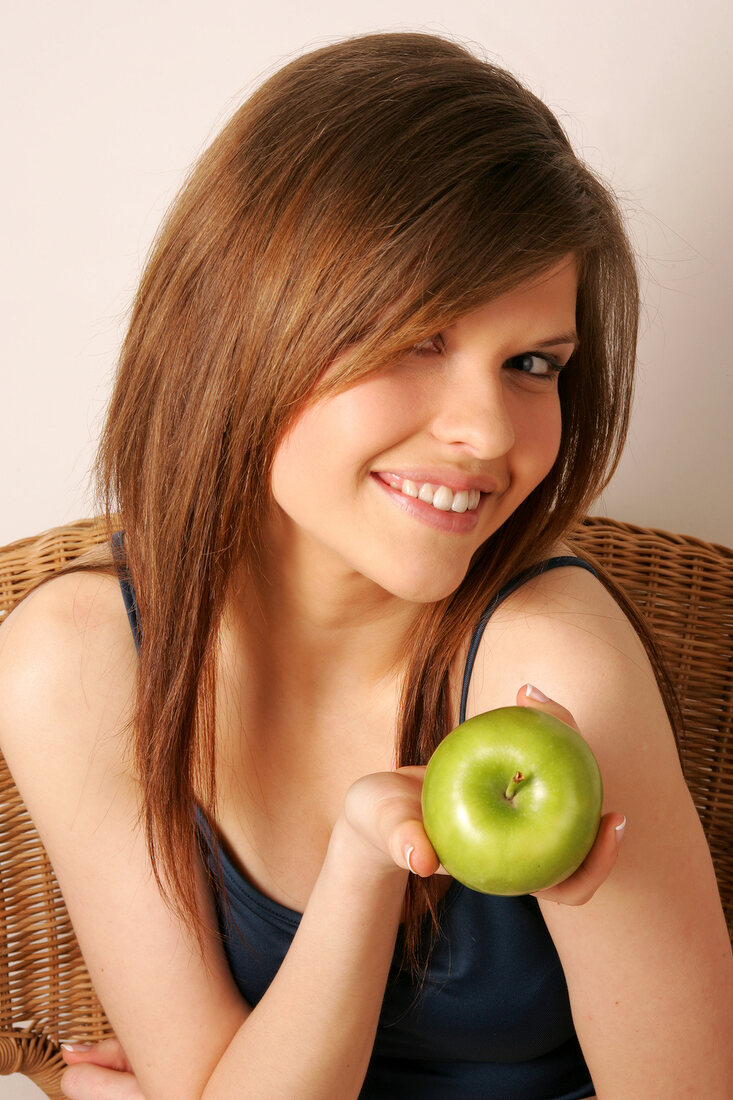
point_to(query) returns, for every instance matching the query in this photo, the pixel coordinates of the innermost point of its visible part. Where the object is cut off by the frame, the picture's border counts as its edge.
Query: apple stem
(514, 784)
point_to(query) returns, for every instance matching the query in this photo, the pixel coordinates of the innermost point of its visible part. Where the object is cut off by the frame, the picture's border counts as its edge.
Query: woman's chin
(423, 589)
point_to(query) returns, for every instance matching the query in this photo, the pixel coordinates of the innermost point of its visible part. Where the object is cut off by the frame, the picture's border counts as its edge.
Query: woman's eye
(539, 366)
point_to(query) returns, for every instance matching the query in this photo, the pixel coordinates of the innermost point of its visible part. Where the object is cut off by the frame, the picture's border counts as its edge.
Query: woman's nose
(475, 414)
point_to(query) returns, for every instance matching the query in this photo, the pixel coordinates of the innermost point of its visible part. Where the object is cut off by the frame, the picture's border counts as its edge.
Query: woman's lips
(455, 521)
(455, 480)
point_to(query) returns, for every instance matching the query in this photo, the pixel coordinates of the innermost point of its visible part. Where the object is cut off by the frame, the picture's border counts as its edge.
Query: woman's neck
(323, 622)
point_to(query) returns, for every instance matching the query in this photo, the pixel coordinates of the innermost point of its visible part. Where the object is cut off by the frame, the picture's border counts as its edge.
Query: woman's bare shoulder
(561, 630)
(67, 665)
(568, 602)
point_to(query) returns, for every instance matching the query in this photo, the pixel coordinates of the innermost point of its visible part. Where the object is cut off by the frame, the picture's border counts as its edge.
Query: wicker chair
(684, 587)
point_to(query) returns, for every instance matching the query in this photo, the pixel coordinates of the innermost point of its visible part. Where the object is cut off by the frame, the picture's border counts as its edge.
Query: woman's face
(404, 475)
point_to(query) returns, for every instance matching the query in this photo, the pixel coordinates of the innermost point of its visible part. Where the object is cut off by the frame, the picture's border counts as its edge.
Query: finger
(385, 810)
(422, 859)
(418, 854)
(389, 804)
(439, 871)
(409, 846)
(88, 1082)
(595, 868)
(107, 1053)
(530, 696)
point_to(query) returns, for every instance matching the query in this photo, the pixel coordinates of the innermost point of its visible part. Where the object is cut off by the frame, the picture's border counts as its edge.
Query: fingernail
(534, 693)
(77, 1048)
(620, 831)
(410, 848)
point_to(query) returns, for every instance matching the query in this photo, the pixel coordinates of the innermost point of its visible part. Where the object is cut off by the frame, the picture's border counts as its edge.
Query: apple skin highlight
(512, 801)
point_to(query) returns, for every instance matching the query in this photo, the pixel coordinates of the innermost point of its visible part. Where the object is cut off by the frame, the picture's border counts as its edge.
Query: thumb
(530, 696)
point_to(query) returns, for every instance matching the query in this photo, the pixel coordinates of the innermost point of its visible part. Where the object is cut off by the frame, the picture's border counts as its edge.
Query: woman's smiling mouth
(454, 511)
(439, 496)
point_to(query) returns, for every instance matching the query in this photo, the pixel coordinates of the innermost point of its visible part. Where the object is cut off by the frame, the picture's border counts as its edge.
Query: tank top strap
(128, 593)
(526, 575)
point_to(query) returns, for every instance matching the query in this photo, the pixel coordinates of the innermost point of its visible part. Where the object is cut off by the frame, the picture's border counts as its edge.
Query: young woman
(379, 363)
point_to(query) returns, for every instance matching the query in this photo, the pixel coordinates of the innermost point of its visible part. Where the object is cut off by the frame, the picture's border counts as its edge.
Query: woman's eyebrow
(563, 338)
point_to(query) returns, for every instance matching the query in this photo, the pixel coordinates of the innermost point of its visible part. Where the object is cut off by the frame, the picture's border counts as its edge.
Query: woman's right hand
(383, 813)
(98, 1071)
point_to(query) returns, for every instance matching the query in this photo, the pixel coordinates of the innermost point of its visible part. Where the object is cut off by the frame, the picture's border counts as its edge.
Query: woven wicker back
(684, 587)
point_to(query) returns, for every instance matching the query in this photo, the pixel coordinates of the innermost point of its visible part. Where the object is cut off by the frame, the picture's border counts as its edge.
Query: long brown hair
(366, 195)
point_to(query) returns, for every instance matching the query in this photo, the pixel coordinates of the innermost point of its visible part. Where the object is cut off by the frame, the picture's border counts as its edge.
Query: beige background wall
(106, 106)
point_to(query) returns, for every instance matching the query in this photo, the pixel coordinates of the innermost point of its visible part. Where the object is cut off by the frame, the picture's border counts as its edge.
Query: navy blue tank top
(492, 1021)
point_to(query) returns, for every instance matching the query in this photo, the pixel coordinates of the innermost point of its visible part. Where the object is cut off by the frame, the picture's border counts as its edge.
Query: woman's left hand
(598, 864)
(98, 1071)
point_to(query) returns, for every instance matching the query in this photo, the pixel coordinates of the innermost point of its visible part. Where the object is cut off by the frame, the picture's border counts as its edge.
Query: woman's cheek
(537, 443)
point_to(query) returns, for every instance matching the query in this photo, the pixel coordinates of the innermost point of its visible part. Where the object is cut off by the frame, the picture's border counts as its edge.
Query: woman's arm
(101, 1071)
(67, 673)
(647, 960)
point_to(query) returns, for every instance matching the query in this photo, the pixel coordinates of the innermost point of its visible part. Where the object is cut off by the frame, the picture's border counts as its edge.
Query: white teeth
(440, 496)
(443, 498)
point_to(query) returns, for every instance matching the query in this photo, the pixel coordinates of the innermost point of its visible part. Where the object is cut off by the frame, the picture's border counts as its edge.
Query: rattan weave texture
(683, 585)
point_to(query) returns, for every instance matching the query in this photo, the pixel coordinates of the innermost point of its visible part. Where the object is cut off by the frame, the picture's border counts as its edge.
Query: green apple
(512, 801)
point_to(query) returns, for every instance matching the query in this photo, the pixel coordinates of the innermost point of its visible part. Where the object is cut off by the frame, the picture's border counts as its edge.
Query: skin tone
(474, 407)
